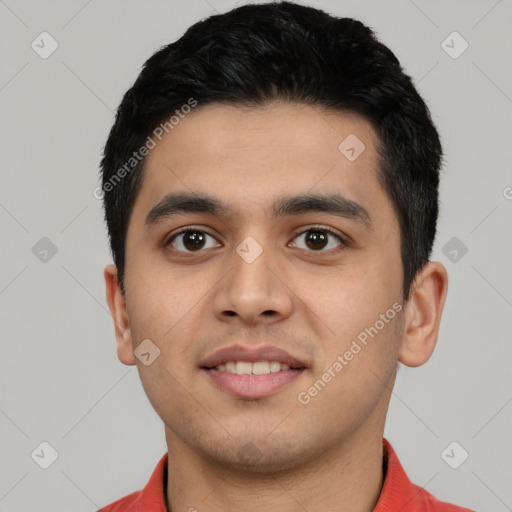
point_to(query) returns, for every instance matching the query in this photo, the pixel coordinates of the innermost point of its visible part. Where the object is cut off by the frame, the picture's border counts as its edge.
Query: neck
(346, 478)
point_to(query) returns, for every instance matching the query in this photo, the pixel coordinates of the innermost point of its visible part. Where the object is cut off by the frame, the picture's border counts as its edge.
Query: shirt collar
(397, 491)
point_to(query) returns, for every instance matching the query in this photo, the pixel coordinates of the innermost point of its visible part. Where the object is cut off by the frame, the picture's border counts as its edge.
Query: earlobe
(117, 306)
(422, 315)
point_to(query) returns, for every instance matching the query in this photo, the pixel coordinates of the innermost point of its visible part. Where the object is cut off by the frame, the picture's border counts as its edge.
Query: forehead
(249, 156)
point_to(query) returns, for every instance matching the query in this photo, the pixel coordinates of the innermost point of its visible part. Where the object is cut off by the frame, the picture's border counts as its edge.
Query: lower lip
(252, 386)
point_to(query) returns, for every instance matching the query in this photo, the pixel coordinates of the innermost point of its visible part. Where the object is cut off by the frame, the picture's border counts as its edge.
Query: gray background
(60, 379)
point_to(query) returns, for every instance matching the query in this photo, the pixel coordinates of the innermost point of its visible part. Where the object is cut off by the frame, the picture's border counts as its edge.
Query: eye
(317, 239)
(190, 240)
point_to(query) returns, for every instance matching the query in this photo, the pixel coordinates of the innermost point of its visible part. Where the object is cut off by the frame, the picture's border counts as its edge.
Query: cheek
(155, 298)
(348, 299)
(167, 303)
(359, 362)
(355, 313)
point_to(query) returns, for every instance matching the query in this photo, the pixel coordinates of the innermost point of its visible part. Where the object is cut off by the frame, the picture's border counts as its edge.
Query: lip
(252, 386)
(251, 355)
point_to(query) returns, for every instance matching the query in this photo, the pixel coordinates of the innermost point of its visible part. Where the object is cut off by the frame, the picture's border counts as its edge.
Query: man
(271, 193)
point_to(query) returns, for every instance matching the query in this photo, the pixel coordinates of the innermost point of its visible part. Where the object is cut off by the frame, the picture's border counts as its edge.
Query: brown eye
(190, 240)
(318, 240)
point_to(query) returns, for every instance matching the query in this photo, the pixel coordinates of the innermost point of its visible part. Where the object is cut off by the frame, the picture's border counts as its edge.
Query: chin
(255, 457)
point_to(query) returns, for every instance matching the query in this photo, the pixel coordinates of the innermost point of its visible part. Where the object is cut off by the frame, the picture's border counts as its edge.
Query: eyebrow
(334, 204)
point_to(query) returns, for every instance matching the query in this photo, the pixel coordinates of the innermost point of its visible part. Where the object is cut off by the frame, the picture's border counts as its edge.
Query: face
(306, 278)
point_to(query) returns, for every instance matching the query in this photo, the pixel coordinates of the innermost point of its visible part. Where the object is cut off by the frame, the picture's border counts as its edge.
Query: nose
(253, 291)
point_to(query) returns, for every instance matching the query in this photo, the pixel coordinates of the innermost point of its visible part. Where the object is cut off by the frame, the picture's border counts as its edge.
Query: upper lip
(252, 355)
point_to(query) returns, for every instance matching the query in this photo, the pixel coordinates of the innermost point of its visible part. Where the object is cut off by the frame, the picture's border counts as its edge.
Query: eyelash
(343, 242)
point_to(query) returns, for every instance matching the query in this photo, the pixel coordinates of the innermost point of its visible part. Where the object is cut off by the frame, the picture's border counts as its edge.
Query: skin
(326, 455)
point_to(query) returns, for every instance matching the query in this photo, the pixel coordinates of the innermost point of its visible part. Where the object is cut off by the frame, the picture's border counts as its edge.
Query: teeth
(257, 368)
(261, 368)
(243, 368)
(275, 366)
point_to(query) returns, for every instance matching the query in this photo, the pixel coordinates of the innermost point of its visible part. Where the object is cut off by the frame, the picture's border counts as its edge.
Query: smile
(248, 368)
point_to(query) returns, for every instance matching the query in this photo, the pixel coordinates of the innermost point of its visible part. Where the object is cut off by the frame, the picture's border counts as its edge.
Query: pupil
(317, 238)
(193, 239)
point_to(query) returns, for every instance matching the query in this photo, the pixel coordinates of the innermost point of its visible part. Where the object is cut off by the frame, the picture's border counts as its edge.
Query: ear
(423, 314)
(117, 306)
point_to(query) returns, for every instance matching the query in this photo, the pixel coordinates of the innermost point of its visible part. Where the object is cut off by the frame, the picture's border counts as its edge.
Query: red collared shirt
(398, 493)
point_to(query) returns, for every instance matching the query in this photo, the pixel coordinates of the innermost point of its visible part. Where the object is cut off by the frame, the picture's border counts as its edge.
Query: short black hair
(283, 51)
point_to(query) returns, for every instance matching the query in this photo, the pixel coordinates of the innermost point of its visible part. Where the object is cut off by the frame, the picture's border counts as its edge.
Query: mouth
(252, 373)
(249, 368)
